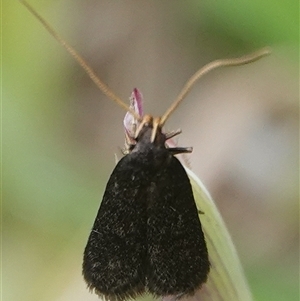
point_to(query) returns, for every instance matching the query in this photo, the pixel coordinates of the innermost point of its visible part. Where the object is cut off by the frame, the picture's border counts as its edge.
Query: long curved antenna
(90, 72)
(209, 67)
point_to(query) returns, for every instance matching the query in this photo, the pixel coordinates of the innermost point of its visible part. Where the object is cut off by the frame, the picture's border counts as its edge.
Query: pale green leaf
(226, 281)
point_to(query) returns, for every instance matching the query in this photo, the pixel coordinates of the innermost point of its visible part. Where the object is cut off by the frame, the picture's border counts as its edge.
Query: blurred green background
(60, 133)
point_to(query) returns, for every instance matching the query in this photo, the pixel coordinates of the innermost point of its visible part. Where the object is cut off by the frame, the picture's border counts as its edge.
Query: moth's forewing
(114, 258)
(178, 259)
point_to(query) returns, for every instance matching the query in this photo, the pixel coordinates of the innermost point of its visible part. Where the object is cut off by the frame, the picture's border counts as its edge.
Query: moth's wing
(114, 258)
(177, 255)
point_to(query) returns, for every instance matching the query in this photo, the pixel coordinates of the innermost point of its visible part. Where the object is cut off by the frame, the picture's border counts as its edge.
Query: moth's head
(146, 132)
(148, 121)
(137, 124)
(135, 120)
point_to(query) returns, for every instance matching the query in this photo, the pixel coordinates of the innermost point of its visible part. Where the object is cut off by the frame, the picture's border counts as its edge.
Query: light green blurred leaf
(226, 281)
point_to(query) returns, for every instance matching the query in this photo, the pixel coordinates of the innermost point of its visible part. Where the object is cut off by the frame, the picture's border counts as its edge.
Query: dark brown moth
(147, 235)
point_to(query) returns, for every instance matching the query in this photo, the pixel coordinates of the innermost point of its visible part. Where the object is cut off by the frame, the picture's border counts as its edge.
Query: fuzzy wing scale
(115, 255)
(147, 235)
(177, 255)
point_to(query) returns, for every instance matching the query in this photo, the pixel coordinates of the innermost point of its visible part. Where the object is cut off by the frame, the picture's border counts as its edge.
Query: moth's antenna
(90, 72)
(209, 67)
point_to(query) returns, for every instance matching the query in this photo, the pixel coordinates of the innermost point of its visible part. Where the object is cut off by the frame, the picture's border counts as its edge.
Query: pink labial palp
(130, 122)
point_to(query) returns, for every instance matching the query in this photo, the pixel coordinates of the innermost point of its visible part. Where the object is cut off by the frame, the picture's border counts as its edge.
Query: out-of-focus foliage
(226, 281)
(59, 134)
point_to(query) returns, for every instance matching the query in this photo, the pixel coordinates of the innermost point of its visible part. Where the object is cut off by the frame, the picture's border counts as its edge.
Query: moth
(147, 235)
